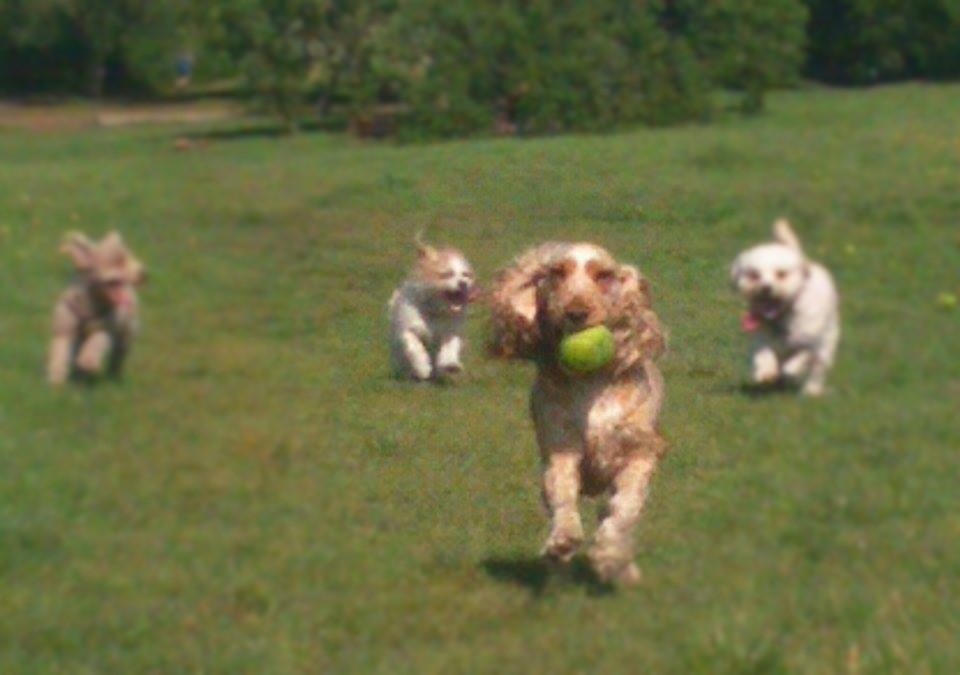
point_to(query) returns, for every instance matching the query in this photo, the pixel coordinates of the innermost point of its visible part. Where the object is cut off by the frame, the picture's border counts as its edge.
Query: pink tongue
(119, 297)
(749, 322)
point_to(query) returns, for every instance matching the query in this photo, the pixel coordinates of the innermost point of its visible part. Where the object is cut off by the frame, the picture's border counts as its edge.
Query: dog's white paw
(612, 570)
(813, 389)
(421, 374)
(766, 374)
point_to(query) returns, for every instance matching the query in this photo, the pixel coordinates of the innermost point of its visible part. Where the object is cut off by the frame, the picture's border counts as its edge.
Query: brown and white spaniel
(598, 433)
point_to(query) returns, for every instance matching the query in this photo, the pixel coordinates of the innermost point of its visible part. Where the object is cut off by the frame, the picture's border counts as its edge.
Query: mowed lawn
(260, 497)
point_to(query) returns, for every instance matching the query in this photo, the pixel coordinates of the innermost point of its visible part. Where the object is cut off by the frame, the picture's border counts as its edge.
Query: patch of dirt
(71, 117)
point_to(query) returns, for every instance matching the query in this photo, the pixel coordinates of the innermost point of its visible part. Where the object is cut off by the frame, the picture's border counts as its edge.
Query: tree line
(454, 67)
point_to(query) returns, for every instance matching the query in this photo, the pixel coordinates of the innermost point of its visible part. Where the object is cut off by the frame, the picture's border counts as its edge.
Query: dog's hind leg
(798, 365)
(448, 358)
(612, 552)
(118, 356)
(561, 489)
(93, 353)
(816, 383)
(821, 363)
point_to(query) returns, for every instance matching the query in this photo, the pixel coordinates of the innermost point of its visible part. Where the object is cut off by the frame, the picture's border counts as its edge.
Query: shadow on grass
(538, 576)
(757, 391)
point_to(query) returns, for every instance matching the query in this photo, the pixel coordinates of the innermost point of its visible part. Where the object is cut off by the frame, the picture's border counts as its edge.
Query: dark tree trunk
(95, 76)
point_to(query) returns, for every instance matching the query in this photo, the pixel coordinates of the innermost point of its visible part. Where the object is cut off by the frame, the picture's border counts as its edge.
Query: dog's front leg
(93, 353)
(820, 365)
(612, 552)
(766, 367)
(417, 356)
(65, 327)
(58, 363)
(561, 488)
(448, 357)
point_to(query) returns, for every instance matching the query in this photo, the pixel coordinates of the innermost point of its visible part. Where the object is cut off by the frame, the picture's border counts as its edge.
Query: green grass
(260, 497)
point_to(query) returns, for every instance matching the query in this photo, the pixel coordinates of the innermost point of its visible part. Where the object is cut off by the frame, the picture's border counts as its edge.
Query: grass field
(260, 497)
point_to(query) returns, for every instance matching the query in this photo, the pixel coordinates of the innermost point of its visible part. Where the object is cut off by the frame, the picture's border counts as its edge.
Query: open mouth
(117, 294)
(766, 308)
(457, 299)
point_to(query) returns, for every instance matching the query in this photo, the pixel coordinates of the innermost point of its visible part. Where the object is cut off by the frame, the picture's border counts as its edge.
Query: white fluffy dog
(793, 312)
(427, 314)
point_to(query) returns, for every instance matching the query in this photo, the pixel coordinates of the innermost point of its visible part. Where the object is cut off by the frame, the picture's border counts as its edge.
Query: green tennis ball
(947, 300)
(587, 351)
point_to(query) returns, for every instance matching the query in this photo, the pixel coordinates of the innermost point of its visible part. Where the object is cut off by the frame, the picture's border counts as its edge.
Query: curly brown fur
(597, 433)
(514, 331)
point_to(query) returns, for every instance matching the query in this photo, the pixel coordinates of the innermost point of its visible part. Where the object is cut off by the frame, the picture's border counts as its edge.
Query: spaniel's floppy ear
(634, 287)
(514, 320)
(424, 250)
(639, 335)
(80, 249)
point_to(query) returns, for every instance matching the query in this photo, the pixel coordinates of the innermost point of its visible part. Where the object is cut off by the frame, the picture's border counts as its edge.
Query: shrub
(86, 45)
(538, 66)
(744, 45)
(869, 41)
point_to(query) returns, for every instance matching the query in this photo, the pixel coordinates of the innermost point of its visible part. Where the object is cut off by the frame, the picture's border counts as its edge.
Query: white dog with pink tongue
(793, 312)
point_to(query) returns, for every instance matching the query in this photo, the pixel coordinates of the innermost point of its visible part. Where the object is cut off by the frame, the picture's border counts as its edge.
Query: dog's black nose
(766, 289)
(577, 317)
(464, 286)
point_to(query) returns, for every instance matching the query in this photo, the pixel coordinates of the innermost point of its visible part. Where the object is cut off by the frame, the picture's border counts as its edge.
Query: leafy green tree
(869, 41)
(270, 41)
(344, 49)
(745, 45)
(79, 44)
(537, 66)
(289, 50)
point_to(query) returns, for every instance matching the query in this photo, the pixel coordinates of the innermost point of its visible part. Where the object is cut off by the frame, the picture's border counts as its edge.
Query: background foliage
(453, 67)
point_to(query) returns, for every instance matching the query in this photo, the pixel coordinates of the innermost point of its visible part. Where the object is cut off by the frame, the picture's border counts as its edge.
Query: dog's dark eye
(605, 277)
(559, 272)
(468, 275)
(447, 275)
(782, 274)
(752, 275)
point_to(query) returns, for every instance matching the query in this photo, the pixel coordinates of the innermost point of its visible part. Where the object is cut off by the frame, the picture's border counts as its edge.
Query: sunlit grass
(258, 496)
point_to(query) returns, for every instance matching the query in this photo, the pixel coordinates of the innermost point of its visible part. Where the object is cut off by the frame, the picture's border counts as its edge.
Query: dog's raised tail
(783, 233)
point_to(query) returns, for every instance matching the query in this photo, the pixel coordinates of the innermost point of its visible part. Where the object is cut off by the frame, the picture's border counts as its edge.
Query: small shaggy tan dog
(427, 314)
(95, 319)
(597, 433)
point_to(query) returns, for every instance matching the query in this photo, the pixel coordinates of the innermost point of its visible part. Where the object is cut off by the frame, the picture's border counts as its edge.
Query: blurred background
(433, 68)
